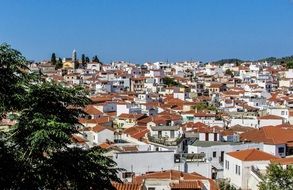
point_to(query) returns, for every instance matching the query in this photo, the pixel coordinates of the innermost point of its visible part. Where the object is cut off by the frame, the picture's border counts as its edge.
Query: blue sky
(149, 30)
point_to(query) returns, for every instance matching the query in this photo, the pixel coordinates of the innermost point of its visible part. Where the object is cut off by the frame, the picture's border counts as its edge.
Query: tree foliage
(229, 72)
(170, 82)
(87, 59)
(289, 65)
(225, 185)
(13, 73)
(277, 178)
(223, 61)
(35, 152)
(204, 106)
(96, 59)
(53, 59)
(59, 64)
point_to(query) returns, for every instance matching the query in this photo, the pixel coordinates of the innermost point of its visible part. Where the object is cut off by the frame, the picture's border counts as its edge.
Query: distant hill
(279, 61)
(223, 61)
(275, 60)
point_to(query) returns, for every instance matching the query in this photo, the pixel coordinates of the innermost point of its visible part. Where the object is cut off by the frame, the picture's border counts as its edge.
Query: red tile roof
(283, 161)
(168, 174)
(91, 110)
(280, 134)
(136, 132)
(192, 185)
(127, 186)
(251, 155)
(270, 117)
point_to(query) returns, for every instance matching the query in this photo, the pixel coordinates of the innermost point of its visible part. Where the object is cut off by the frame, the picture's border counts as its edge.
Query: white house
(267, 120)
(99, 134)
(238, 165)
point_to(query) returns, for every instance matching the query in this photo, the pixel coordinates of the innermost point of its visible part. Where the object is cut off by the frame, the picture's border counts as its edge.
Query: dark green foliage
(229, 72)
(13, 73)
(70, 174)
(277, 178)
(35, 153)
(8, 166)
(225, 185)
(278, 61)
(96, 59)
(59, 64)
(82, 59)
(46, 124)
(289, 65)
(223, 61)
(204, 106)
(87, 59)
(170, 82)
(53, 59)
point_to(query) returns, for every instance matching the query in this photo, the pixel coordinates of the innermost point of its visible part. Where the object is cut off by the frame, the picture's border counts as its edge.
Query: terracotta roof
(168, 174)
(100, 120)
(270, 117)
(130, 116)
(178, 179)
(91, 110)
(104, 145)
(215, 85)
(129, 148)
(283, 161)
(136, 132)
(251, 155)
(99, 128)
(127, 186)
(78, 139)
(202, 114)
(187, 185)
(280, 134)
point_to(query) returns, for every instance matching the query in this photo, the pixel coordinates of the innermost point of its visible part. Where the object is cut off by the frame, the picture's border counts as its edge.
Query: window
(222, 156)
(151, 188)
(214, 154)
(227, 164)
(237, 170)
(159, 134)
(281, 150)
(283, 113)
(172, 134)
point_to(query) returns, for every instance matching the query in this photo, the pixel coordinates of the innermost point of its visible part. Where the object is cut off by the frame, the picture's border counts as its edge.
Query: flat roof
(213, 143)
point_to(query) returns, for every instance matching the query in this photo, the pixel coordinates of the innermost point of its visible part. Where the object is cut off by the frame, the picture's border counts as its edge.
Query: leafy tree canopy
(229, 72)
(37, 152)
(53, 59)
(171, 82)
(277, 178)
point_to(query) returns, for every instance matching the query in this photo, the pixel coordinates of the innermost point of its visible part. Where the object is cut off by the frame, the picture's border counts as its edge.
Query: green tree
(53, 59)
(87, 59)
(83, 60)
(204, 106)
(170, 82)
(35, 153)
(59, 64)
(13, 74)
(229, 72)
(277, 178)
(289, 65)
(96, 59)
(225, 185)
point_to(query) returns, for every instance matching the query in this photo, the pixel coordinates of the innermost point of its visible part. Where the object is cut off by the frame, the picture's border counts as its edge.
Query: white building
(238, 166)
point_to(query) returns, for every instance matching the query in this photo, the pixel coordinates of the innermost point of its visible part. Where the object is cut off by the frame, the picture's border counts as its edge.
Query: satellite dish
(210, 159)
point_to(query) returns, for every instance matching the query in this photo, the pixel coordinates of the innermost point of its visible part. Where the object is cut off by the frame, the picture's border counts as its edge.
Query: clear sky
(149, 30)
